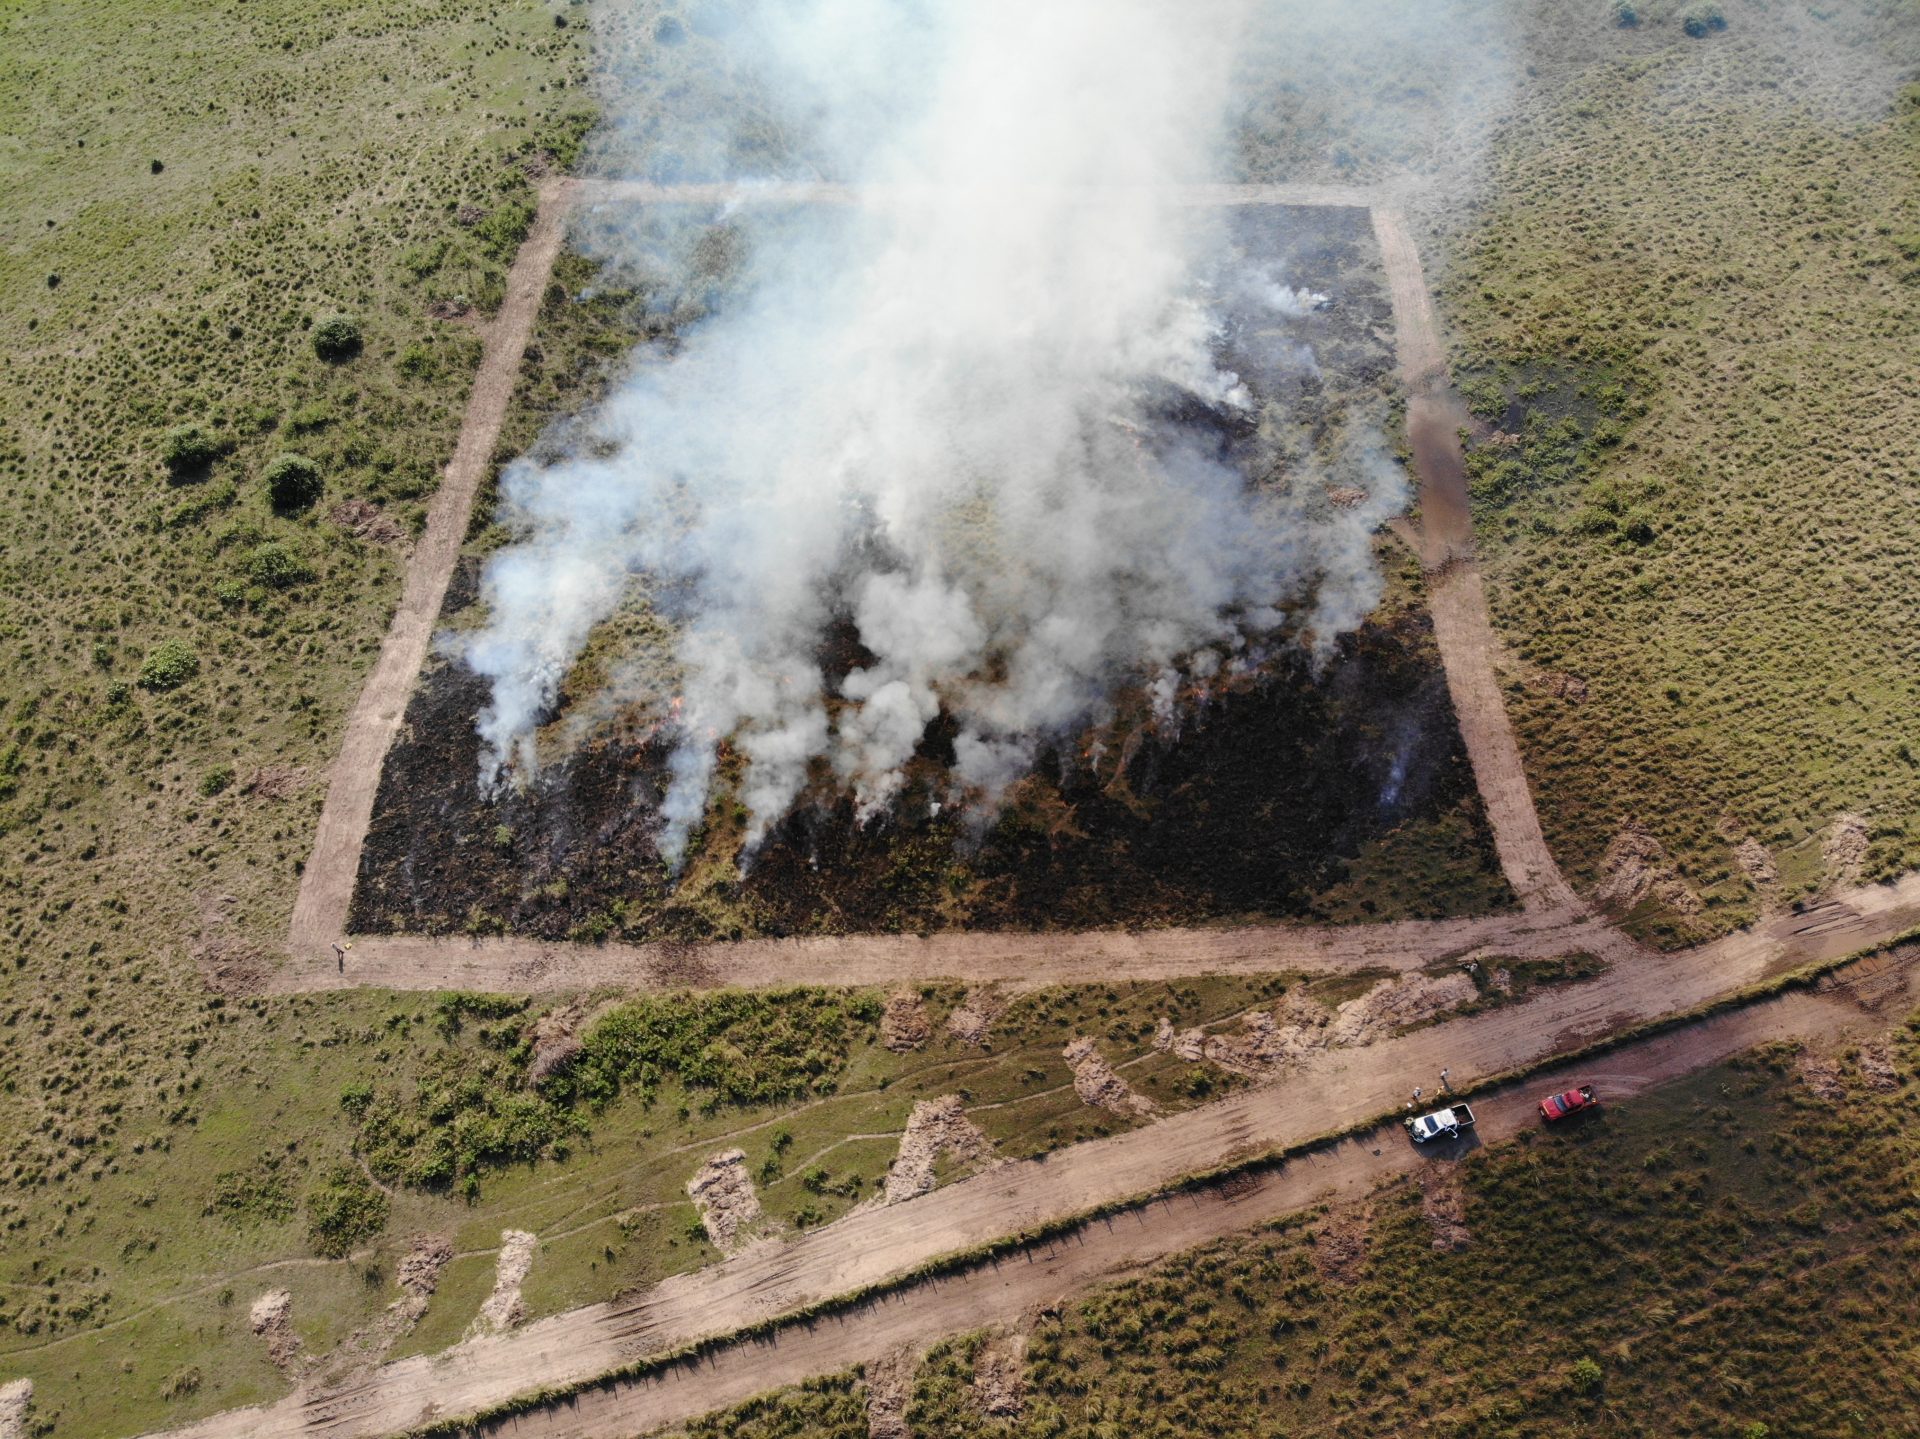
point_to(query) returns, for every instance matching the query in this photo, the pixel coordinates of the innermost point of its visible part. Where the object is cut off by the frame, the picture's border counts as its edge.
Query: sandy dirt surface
(1096, 1083)
(936, 1127)
(904, 1024)
(1012, 961)
(503, 1309)
(326, 884)
(1335, 1090)
(889, 1391)
(15, 1400)
(729, 1206)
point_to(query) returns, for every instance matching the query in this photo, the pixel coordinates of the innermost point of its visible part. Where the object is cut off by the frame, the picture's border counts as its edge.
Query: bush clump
(188, 450)
(216, 781)
(337, 338)
(171, 664)
(1703, 20)
(342, 1210)
(1625, 15)
(275, 566)
(293, 482)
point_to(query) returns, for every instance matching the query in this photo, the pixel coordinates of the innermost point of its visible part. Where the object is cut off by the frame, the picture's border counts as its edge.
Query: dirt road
(326, 884)
(523, 966)
(1336, 1090)
(1011, 1288)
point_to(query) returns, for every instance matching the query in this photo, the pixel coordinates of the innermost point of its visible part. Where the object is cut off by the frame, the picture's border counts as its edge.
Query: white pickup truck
(1441, 1124)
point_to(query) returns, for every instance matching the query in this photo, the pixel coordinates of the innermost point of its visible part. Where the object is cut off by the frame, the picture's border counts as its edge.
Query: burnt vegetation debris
(1264, 794)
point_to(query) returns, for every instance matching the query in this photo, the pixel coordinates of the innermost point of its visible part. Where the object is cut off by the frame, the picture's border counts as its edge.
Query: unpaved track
(1012, 1287)
(526, 966)
(1455, 597)
(1334, 1091)
(326, 884)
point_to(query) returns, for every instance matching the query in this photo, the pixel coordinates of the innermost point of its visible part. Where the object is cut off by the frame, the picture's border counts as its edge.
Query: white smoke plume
(940, 416)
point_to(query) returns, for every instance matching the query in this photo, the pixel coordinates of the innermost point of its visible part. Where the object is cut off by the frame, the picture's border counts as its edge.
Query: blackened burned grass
(1340, 794)
(1259, 806)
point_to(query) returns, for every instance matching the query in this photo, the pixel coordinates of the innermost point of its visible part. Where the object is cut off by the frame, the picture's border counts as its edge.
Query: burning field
(1291, 775)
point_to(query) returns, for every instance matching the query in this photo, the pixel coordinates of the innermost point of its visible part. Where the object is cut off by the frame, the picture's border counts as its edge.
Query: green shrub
(337, 338)
(504, 227)
(275, 566)
(418, 362)
(187, 451)
(342, 1210)
(293, 482)
(1585, 1376)
(1702, 20)
(216, 780)
(171, 664)
(1624, 15)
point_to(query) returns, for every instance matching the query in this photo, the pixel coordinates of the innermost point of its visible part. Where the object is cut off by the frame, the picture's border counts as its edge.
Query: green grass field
(1689, 303)
(1727, 1258)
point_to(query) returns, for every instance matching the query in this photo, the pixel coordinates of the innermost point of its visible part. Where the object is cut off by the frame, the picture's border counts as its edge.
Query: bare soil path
(1334, 1091)
(326, 883)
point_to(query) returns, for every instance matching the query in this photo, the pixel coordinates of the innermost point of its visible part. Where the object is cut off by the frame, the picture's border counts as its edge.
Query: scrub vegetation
(1728, 1256)
(341, 1126)
(1685, 323)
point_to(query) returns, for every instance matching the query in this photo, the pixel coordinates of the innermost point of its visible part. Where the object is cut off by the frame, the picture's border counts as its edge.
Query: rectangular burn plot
(921, 730)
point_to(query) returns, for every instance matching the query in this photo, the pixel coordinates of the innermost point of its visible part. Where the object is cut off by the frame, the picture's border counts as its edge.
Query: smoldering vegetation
(908, 519)
(1252, 792)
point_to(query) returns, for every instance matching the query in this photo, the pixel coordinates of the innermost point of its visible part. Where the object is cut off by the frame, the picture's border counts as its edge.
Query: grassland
(1725, 1257)
(146, 1271)
(1686, 315)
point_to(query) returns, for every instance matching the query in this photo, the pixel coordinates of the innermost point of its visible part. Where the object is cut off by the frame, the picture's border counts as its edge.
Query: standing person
(340, 955)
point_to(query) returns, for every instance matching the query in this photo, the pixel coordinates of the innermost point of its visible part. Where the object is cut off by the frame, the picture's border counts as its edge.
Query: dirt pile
(417, 1276)
(972, 1022)
(1340, 1245)
(1634, 868)
(229, 962)
(275, 782)
(889, 1391)
(1844, 848)
(936, 1127)
(1823, 1076)
(1443, 1203)
(367, 521)
(1302, 1025)
(723, 1193)
(503, 1308)
(271, 1317)
(1096, 1083)
(1394, 1005)
(15, 1400)
(904, 1024)
(1756, 861)
(1877, 1068)
(556, 1037)
(1000, 1376)
(419, 1272)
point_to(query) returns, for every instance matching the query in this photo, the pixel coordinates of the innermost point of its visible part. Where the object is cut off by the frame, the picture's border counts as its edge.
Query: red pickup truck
(1556, 1107)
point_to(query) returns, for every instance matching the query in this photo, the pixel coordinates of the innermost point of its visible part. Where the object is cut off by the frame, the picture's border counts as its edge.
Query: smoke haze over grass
(980, 418)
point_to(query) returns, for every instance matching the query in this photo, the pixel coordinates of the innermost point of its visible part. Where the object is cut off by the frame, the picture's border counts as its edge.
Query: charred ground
(1337, 791)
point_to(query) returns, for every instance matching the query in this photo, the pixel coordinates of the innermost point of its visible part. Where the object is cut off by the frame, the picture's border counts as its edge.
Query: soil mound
(936, 1127)
(904, 1024)
(889, 1391)
(1634, 868)
(1443, 1203)
(723, 1193)
(271, 1317)
(972, 1022)
(1000, 1376)
(1098, 1086)
(503, 1308)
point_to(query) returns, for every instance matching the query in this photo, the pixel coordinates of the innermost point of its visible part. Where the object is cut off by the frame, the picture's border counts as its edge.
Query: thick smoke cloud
(958, 417)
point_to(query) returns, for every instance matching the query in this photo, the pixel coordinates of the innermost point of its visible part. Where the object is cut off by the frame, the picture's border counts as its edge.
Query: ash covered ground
(1285, 792)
